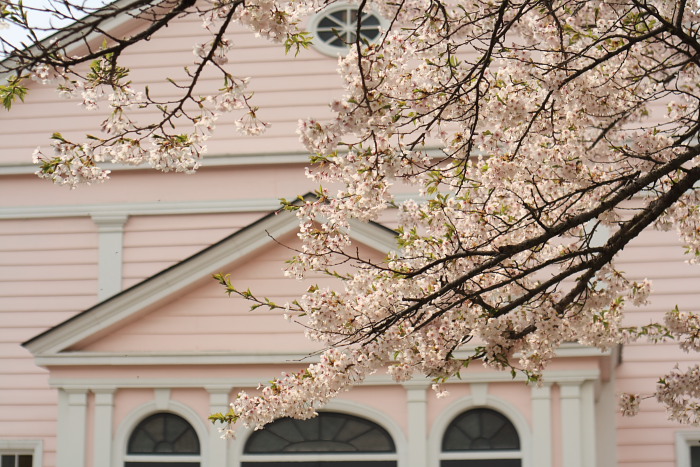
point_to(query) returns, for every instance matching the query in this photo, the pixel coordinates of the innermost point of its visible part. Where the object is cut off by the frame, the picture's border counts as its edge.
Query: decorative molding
(571, 423)
(82, 358)
(417, 401)
(102, 426)
(479, 393)
(542, 425)
(130, 422)
(70, 451)
(162, 398)
(560, 376)
(219, 399)
(35, 447)
(343, 406)
(460, 406)
(684, 440)
(575, 376)
(110, 231)
(154, 208)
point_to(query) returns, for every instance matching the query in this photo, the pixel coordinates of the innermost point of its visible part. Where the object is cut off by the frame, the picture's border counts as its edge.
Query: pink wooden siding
(48, 270)
(649, 438)
(147, 252)
(205, 319)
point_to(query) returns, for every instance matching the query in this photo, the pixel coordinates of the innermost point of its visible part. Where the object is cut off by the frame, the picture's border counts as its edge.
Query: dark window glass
(337, 29)
(328, 432)
(16, 460)
(322, 464)
(480, 430)
(694, 456)
(161, 464)
(482, 463)
(163, 433)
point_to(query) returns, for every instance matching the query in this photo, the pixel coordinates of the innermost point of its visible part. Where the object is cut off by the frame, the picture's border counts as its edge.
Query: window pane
(328, 432)
(694, 456)
(480, 430)
(163, 433)
(7, 460)
(25, 460)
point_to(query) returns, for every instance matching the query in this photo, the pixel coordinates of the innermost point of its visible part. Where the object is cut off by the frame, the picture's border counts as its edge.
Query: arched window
(481, 438)
(329, 440)
(335, 28)
(163, 439)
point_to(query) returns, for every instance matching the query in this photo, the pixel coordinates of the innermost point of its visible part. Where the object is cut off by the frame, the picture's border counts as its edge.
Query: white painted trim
(81, 358)
(342, 406)
(466, 403)
(130, 422)
(141, 209)
(571, 423)
(589, 447)
(110, 232)
(154, 208)
(102, 426)
(542, 425)
(684, 440)
(417, 401)
(35, 447)
(71, 442)
(576, 376)
(219, 399)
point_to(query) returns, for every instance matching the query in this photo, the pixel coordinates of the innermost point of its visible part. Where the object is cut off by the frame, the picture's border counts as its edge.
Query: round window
(335, 28)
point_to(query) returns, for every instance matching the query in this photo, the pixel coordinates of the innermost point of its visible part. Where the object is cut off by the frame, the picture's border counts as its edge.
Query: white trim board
(558, 376)
(154, 208)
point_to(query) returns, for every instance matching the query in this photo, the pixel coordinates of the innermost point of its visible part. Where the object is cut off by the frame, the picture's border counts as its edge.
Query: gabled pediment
(129, 322)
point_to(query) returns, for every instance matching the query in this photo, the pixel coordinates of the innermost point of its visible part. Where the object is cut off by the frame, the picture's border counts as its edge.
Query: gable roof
(160, 288)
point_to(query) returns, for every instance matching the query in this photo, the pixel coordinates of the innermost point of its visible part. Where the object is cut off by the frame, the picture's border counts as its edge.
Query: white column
(110, 230)
(219, 399)
(588, 434)
(542, 426)
(417, 400)
(71, 439)
(102, 426)
(571, 419)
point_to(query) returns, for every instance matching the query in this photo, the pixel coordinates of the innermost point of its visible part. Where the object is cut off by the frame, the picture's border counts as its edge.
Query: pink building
(116, 344)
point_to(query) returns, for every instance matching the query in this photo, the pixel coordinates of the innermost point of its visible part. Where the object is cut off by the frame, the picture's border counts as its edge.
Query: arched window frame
(314, 21)
(442, 422)
(132, 420)
(340, 406)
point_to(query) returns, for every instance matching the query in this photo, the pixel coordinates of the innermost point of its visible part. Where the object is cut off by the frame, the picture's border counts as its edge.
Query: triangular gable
(176, 280)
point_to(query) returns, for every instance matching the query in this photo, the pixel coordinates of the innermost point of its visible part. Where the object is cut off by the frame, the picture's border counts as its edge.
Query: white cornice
(153, 208)
(81, 358)
(67, 383)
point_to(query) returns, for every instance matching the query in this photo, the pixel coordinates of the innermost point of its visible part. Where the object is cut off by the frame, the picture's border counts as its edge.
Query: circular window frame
(332, 50)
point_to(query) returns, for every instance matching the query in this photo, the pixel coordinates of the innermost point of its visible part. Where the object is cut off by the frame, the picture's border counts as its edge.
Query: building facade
(116, 344)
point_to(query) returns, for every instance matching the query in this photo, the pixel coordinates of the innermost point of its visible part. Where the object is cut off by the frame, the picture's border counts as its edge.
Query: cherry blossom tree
(528, 127)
